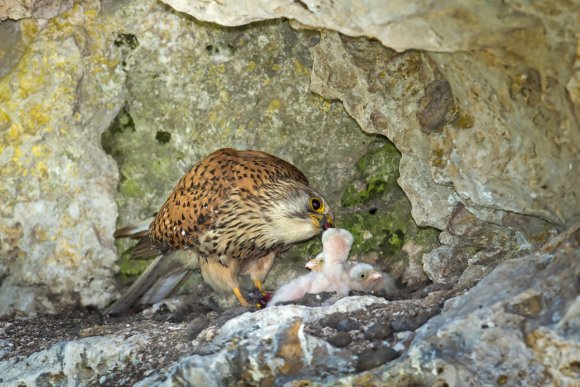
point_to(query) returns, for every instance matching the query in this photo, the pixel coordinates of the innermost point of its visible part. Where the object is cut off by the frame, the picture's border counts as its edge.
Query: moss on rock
(378, 169)
(377, 212)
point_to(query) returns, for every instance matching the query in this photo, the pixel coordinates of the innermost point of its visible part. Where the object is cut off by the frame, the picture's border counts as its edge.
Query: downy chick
(357, 276)
(336, 244)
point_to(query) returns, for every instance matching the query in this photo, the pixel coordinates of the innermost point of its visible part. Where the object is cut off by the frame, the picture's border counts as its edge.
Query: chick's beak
(375, 276)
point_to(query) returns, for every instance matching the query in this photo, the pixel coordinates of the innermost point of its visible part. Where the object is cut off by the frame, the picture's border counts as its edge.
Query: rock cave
(445, 135)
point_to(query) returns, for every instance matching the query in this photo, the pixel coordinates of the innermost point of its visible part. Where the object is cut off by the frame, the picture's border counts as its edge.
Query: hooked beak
(322, 221)
(326, 223)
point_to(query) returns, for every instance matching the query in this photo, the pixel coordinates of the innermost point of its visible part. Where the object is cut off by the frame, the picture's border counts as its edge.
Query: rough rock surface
(192, 88)
(518, 326)
(484, 131)
(509, 142)
(213, 87)
(58, 185)
(38, 9)
(456, 25)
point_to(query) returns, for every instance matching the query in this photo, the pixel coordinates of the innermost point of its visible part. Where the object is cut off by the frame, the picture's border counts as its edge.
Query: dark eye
(362, 276)
(316, 205)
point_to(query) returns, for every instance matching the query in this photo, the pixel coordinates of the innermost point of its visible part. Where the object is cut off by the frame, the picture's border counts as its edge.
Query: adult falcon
(237, 210)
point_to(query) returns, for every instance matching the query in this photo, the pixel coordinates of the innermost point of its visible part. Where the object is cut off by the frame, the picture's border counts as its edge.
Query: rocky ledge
(518, 326)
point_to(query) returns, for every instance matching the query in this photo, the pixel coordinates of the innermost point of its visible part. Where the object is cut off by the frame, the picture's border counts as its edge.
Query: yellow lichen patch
(28, 30)
(16, 156)
(13, 134)
(251, 66)
(213, 117)
(216, 71)
(4, 119)
(40, 170)
(224, 96)
(67, 252)
(37, 116)
(28, 83)
(276, 67)
(40, 150)
(274, 106)
(241, 130)
(300, 69)
(319, 102)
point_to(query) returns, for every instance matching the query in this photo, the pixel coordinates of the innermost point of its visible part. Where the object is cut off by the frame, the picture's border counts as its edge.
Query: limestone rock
(517, 326)
(275, 342)
(372, 80)
(58, 185)
(451, 26)
(38, 9)
(471, 248)
(242, 88)
(74, 362)
(511, 142)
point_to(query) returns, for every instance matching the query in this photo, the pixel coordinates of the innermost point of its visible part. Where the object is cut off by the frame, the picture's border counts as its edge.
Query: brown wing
(191, 208)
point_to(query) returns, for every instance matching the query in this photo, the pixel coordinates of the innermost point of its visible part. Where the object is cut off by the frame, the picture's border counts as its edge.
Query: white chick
(363, 277)
(358, 276)
(327, 270)
(336, 244)
(313, 282)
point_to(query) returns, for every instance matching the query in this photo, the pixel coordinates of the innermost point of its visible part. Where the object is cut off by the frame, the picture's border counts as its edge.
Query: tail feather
(135, 231)
(160, 279)
(145, 248)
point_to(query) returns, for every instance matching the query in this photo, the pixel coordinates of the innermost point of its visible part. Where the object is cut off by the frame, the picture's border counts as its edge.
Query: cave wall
(485, 122)
(519, 61)
(445, 135)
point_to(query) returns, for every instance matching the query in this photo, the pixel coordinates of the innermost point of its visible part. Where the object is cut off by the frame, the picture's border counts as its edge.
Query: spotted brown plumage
(236, 210)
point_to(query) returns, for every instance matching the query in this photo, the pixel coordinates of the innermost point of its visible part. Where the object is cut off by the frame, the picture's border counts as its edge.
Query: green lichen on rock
(128, 267)
(383, 229)
(379, 169)
(377, 212)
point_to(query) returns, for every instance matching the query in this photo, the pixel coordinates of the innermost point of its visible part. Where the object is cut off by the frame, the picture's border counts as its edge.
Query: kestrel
(237, 210)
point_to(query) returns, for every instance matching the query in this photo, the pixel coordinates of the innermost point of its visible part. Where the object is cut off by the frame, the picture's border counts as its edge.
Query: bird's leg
(258, 284)
(241, 299)
(222, 274)
(258, 269)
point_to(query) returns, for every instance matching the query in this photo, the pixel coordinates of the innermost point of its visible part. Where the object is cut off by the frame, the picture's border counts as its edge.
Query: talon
(266, 297)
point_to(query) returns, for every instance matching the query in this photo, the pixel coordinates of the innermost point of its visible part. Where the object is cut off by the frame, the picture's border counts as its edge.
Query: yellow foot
(240, 297)
(258, 285)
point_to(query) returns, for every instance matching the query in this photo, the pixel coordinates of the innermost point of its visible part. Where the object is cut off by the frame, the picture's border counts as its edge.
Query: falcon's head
(299, 213)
